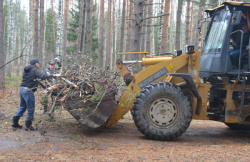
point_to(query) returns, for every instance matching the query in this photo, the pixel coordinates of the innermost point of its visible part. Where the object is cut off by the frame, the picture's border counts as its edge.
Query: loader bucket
(92, 115)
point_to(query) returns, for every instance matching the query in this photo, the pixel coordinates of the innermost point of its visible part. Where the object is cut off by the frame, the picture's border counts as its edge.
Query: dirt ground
(66, 140)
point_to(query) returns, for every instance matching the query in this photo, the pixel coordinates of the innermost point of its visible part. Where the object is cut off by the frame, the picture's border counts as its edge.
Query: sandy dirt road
(66, 140)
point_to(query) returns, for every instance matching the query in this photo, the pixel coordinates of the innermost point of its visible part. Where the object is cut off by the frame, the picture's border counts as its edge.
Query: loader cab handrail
(241, 40)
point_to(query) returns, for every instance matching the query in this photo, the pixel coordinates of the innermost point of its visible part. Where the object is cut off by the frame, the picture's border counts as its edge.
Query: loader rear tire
(162, 111)
(236, 126)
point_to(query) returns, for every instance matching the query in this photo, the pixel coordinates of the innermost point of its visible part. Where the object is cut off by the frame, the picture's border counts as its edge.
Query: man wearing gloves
(50, 71)
(28, 87)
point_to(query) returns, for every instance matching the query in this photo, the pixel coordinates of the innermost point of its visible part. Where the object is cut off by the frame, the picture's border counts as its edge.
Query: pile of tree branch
(81, 89)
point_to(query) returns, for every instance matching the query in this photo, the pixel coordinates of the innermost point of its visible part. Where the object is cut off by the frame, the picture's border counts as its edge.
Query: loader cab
(223, 32)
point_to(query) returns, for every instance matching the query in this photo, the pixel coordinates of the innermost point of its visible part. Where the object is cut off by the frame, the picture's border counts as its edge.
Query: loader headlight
(190, 49)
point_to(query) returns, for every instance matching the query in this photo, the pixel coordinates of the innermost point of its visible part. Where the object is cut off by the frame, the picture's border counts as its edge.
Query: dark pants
(27, 101)
(234, 55)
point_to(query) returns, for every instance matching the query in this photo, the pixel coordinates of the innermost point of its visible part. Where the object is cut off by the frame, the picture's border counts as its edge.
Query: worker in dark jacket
(28, 87)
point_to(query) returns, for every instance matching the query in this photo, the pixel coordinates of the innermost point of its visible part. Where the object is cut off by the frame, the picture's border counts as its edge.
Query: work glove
(50, 76)
(56, 75)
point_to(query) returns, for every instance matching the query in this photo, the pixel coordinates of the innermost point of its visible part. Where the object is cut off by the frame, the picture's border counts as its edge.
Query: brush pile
(87, 92)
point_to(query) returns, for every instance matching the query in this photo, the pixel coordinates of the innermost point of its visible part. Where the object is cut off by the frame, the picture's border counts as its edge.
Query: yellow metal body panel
(127, 99)
(181, 64)
(153, 61)
(185, 64)
(232, 106)
(203, 91)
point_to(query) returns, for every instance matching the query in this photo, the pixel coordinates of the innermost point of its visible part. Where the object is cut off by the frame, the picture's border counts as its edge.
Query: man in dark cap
(50, 71)
(28, 87)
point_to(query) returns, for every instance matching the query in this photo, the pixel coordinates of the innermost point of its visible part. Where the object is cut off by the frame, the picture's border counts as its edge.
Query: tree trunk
(84, 31)
(113, 32)
(136, 26)
(2, 74)
(17, 38)
(191, 25)
(101, 36)
(35, 22)
(89, 27)
(59, 27)
(165, 27)
(79, 39)
(108, 50)
(136, 29)
(128, 25)
(160, 28)
(198, 26)
(41, 28)
(202, 29)
(187, 23)
(178, 25)
(66, 11)
(53, 19)
(149, 28)
(30, 27)
(11, 38)
(143, 33)
(129, 32)
(118, 28)
(44, 55)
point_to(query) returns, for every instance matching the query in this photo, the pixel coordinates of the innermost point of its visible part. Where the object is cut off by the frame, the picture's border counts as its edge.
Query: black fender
(189, 80)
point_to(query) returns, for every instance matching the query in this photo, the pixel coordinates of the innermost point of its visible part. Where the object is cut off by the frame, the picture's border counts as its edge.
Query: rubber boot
(45, 109)
(15, 122)
(29, 126)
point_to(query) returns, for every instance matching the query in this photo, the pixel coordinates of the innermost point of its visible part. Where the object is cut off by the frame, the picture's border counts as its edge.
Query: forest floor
(66, 140)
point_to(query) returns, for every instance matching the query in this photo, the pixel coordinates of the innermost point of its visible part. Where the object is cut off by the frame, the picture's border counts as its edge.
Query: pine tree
(59, 34)
(187, 23)
(108, 48)
(41, 28)
(66, 12)
(149, 28)
(49, 32)
(178, 25)
(79, 39)
(2, 74)
(101, 36)
(35, 22)
(165, 27)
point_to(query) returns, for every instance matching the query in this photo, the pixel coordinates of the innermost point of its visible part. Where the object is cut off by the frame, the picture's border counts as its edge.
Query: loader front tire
(162, 111)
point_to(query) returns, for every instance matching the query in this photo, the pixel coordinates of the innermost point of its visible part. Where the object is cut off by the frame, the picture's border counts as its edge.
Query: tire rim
(163, 112)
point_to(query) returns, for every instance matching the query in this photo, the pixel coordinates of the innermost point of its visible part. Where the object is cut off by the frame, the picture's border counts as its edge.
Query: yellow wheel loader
(171, 91)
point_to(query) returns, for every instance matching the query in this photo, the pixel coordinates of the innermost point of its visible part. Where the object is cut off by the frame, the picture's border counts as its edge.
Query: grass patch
(13, 81)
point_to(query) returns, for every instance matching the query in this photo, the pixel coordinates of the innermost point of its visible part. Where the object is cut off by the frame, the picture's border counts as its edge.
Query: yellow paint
(153, 61)
(127, 99)
(181, 64)
(170, 67)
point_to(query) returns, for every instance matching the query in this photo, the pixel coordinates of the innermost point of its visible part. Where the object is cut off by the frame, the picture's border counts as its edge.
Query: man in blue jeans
(27, 89)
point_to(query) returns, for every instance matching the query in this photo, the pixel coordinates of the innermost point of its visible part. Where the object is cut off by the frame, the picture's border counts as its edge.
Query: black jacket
(30, 73)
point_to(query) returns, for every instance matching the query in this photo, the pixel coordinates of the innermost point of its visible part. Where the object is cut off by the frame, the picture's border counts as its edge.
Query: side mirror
(190, 49)
(236, 17)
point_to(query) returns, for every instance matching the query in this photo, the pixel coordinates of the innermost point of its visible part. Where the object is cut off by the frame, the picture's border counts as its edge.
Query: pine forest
(99, 29)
